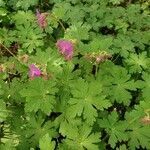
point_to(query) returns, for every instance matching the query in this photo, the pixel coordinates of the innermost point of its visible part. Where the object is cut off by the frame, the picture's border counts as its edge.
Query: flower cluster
(65, 48)
(41, 19)
(34, 71)
(98, 58)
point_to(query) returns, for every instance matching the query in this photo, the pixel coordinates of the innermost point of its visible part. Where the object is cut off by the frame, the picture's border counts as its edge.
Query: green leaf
(144, 85)
(67, 126)
(84, 139)
(123, 45)
(60, 10)
(122, 147)
(138, 63)
(27, 16)
(85, 96)
(25, 4)
(139, 137)
(78, 31)
(11, 91)
(36, 129)
(97, 45)
(3, 111)
(39, 95)
(72, 17)
(114, 128)
(137, 126)
(46, 143)
(7, 37)
(30, 36)
(117, 83)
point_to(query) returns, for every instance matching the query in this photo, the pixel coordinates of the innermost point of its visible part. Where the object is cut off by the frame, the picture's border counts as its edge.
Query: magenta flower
(34, 71)
(65, 48)
(41, 19)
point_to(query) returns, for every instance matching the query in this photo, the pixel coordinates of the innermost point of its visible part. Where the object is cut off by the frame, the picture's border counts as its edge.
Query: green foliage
(144, 85)
(96, 100)
(3, 111)
(39, 94)
(118, 83)
(86, 96)
(137, 127)
(27, 16)
(30, 37)
(36, 129)
(138, 63)
(83, 139)
(78, 31)
(46, 144)
(115, 129)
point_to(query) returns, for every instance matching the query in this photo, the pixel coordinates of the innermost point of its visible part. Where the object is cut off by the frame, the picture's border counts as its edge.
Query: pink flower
(41, 19)
(34, 71)
(65, 48)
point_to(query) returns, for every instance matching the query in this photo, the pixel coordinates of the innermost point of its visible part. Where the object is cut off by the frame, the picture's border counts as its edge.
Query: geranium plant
(74, 75)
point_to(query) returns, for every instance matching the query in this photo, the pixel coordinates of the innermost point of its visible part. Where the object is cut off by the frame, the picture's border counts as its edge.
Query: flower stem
(11, 53)
(58, 21)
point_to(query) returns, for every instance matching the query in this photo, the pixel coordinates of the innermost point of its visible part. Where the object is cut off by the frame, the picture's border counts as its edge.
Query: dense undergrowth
(74, 74)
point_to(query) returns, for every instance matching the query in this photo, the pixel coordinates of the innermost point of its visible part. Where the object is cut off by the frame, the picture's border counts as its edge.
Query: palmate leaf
(34, 130)
(97, 45)
(78, 31)
(68, 128)
(139, 137)
(72, 15)
(39, 95)
(85, 96)
(30, 36)
(123, 45)
(122, 147)
(67, 125)
(42, 57)
(138, 63)
(25, 4)
(68, 75)
(83, 140)
(65, 11)
(117, 83)
(121, 83)
(145, 85)
(11, 91)
(138, 126)
(114, 128)
(7, 36)
(60, 10)
(46, 143)
(27, 16)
